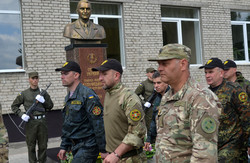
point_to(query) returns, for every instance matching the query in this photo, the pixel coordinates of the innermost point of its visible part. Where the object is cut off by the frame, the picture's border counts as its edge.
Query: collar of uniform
(115, 88)
(149, 80)
(85, 25)
(169, 96)
(74, 94)
(219, 86)
(34, 89)
(239, 76)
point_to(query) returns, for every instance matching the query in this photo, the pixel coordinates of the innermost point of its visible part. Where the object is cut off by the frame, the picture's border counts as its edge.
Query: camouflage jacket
(187, 125)
(235, 116)
(123, 118)
(244, 83)
(4, 140)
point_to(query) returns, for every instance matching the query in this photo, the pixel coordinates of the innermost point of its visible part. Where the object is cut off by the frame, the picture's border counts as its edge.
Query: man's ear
(117, 76)
(76, 75)
(184, 64)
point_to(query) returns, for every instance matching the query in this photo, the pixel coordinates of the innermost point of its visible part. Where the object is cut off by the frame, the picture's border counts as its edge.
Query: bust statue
(83, 28)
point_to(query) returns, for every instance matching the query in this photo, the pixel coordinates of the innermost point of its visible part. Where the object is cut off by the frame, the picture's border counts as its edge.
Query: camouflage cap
(150, 69)
(173, 51)
(33, 74)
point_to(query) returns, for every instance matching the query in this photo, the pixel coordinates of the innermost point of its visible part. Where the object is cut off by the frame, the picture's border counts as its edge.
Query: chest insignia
(135, 115)
(76, 102)
(243, 97)
(96, 110)
(208, 125)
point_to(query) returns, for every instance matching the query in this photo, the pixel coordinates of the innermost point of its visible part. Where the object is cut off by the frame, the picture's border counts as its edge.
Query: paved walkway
(18, 151)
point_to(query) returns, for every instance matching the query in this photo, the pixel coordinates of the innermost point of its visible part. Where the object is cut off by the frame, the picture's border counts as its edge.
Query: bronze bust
(83, 28)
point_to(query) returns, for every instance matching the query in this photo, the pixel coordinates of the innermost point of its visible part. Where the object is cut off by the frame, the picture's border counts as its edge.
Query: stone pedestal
(88, 56)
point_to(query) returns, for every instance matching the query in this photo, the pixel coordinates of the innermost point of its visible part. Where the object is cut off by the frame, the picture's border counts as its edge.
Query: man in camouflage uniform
(4, 140)
(188, 116)
(123, 117)
(231, 74)
(235, 117)
(36, 129)
(82, 130)
(146, 88)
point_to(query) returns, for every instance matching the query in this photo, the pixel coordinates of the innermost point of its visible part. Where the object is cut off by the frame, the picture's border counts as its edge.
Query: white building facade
(31, 37)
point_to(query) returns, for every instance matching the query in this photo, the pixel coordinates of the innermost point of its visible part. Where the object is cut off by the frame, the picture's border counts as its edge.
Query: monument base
(88, 56)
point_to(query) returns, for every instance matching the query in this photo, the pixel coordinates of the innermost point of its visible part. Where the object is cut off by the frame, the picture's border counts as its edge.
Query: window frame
(95, 17)
(15, 12)
(244, 25)
(179, 31)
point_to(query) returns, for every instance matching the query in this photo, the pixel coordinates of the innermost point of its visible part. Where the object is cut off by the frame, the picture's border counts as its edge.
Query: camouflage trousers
(229, 153)
(4, 152)
(140, 158)
(243, 151)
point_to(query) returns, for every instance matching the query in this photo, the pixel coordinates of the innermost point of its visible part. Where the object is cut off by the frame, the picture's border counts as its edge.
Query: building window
(182, 25)
(11, 51)
(241, 35)
(109, 16)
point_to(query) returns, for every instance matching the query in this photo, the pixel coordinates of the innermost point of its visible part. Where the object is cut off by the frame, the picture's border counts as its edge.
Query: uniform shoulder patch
(208, 125)
(91, 96)
(135, 115)
(243, 97)
(96, 110)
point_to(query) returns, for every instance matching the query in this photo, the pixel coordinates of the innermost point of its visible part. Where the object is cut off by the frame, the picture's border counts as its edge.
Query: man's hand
(111, 158)
(62, 154)
(147, 146)
(104, 155)
(40, 98)
(25, 117)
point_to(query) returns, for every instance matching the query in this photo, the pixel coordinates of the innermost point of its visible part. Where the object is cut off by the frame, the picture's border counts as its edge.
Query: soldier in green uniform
(123, 117)
(4, 140)
(36, 129)
(146, 88)
(235, 117)
(188, 116)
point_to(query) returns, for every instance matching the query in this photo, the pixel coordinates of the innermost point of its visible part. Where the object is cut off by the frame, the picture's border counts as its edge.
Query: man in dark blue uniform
(83, 130)
(161, 88)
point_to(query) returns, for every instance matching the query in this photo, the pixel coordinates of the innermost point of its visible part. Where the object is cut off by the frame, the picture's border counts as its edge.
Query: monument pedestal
(88, 56)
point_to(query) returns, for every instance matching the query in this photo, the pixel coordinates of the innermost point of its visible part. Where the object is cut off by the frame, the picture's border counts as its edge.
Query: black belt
(132, 153)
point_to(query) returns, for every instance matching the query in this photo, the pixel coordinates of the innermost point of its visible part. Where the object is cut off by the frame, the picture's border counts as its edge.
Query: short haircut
(156, 74)
(81, 1)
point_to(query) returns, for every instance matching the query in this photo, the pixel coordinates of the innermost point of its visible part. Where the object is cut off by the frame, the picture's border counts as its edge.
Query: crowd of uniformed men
(185, 121)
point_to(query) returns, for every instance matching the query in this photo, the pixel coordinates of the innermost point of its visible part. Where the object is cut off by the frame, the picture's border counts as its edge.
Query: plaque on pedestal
(88, 56)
